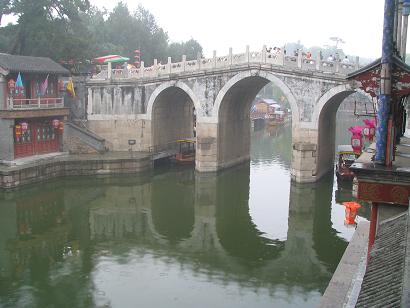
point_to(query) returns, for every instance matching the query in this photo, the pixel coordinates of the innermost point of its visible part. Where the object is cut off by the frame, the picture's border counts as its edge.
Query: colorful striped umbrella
(102, 59)
(111, 59)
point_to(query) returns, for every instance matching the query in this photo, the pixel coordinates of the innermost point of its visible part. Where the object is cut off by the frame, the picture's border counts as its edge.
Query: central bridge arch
(231, 116)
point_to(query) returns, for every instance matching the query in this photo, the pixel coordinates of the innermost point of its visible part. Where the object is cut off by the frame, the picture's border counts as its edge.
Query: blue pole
(385, 82)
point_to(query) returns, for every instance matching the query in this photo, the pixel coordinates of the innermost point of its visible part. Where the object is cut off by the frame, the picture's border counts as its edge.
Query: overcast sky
(219, 24)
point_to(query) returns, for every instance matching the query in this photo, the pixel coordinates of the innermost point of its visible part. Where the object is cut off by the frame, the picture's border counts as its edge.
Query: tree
(42, 24)
(72, 30)
(190, 48)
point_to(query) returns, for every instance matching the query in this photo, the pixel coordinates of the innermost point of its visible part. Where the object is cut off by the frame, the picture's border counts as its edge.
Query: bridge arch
(232, 112)
(324, 121)
(170, 110)
(269, 77)
(171, 84)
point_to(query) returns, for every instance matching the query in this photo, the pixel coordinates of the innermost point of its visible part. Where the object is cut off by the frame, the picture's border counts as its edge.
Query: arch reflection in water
(132, 241)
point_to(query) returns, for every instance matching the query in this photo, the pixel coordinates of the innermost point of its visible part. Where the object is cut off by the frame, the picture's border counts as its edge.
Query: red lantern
(24, 126)
(17, 130)
(61, 127)
(356, 140)
(12, 86)
(56, 123)
(369, 130)
(61, 86)
(351, 212)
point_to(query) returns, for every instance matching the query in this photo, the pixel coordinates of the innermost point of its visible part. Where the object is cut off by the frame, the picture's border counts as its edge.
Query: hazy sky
(219, 24)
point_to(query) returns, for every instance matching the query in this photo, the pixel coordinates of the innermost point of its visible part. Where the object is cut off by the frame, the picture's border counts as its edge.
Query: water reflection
(247, 237)
(75, 243)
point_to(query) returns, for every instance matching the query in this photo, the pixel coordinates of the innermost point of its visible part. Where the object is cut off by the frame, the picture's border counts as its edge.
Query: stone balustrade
(225, 62)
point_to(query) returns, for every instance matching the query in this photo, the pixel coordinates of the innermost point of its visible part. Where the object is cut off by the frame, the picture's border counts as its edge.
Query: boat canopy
(345, 149)
(186, 141)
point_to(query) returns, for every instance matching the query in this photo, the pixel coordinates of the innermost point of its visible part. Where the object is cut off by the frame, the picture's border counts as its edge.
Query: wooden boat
(186, 152)
(346, 157)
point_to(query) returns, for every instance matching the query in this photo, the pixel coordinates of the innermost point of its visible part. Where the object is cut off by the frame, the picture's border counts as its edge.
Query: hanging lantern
(61, 127)
(11, 84)
(17, 130)
(24, 126)
(369, 130)
(356, 140)
(351, 212)
(61, 86)
(56, 123)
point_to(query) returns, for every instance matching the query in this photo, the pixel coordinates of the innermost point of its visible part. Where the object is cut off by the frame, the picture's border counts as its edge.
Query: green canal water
(247, 237)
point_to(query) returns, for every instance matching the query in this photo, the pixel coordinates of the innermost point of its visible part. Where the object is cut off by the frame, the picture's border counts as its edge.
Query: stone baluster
(109, 71)
(214, 58)
(169, 65)
(281, 56)
(318, 62)
(264, 54)
(142, 69)
(183, 62)
(356, 64)
(300, 58)
(230, 57)
(247, 54)
(3, 91)
(198, 60)
(337, 66)
(155, 67)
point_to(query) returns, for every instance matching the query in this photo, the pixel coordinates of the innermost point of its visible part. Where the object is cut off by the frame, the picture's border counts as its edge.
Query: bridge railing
(225, 62)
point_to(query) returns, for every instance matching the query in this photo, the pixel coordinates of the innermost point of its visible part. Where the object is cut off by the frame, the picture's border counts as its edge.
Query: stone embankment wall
(80, 165)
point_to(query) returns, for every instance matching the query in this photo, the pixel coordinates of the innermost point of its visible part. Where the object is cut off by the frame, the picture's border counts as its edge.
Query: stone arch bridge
(156, 105)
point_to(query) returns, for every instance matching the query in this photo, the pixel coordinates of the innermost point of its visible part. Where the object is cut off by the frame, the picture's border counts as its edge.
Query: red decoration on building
(24, 126)
(357, 139)
(61, 86)
(370, 129)
(17, 130)
(56, 123)
(11, 84)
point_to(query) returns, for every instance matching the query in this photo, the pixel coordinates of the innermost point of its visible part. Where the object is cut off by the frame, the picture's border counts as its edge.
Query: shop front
(37, 136)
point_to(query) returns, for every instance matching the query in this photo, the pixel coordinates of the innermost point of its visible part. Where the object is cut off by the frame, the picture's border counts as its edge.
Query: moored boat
(346, 157)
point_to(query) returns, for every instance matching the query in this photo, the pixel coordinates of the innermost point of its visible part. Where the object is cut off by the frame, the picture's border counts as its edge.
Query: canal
(247, 237)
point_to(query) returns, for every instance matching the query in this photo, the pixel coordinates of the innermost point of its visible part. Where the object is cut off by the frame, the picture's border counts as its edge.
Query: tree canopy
(73, 30)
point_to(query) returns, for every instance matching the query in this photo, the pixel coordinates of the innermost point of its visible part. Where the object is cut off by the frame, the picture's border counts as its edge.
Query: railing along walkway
(35, 103)
(221, 62)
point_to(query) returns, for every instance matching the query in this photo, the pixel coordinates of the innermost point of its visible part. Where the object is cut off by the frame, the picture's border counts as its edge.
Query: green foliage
(190, 48)
(72, 30)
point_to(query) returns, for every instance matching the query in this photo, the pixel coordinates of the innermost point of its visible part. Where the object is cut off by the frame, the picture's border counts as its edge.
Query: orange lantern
(351, 212)
(61, 127)
(17, 130)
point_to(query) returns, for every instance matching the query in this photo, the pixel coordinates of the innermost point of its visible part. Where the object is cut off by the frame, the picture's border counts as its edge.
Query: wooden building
(32, 111)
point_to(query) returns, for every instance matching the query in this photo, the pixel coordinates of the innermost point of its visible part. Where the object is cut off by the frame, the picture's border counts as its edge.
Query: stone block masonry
(74, 165)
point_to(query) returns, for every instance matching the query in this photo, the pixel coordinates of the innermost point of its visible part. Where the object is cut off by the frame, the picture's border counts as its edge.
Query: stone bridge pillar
(207, 145)
(304, 153)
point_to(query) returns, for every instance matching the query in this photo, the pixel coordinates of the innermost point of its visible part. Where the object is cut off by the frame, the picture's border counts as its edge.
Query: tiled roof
(383, 282)
(27, 64)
